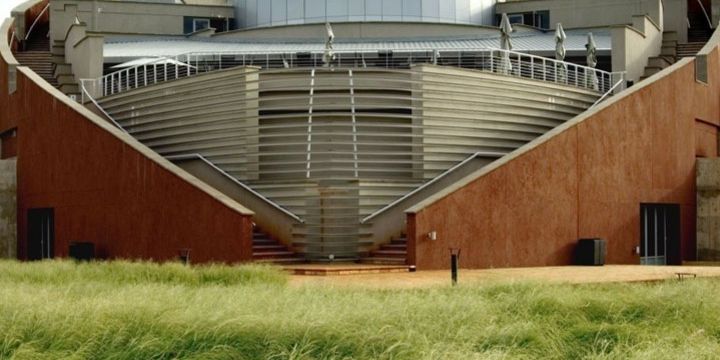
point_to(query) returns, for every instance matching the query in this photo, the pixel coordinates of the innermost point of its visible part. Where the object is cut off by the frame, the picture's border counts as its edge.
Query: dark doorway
(41, 234)
(660, 234)
(699, 14)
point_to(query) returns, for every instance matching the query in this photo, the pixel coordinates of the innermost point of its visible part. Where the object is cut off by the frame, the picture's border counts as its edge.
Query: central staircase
(393, 253)
(268, 250)
(36, 55)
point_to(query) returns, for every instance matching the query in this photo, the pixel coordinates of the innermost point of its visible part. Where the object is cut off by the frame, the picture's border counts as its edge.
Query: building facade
(233, 132)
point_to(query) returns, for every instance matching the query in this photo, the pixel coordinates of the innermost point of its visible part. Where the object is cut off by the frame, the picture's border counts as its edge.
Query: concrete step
(268, 248)
(402, 254)
(273, 255)
(295, 260)
(383, 261)
(394, 247)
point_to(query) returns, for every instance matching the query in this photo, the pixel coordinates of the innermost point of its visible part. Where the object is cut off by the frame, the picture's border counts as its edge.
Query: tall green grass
(60, 310)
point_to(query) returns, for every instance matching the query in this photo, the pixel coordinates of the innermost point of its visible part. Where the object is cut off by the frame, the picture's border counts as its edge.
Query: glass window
(315, 10)
(295, 10)
(542, 19)
(373, 7)
(447, 10)
(462, 11)
(337, 10)
(356, 9)
(373, 10)
(516, 18)
(264, 12)
(431, 10)
(240, 13)
(279, 11)
(251, 14)
(412, 10)
(392, 7)
(200, 24)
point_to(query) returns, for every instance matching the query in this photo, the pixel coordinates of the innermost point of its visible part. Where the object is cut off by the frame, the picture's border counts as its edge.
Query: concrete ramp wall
(8, 209)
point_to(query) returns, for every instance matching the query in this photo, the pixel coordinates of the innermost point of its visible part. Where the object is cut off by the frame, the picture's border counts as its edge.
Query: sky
(6, 6)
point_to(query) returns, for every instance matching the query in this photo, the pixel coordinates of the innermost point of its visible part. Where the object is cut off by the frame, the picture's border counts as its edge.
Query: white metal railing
(707, 17)
(620, 83)
(86, 94)
(237, 182)
(37, 19)
(506, 62)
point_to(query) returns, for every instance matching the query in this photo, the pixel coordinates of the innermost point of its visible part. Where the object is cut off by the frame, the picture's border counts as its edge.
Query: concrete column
(708, 209)
(8, 209)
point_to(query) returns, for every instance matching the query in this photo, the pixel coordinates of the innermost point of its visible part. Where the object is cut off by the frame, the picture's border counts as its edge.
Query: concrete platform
(343, 269)
(567, 274)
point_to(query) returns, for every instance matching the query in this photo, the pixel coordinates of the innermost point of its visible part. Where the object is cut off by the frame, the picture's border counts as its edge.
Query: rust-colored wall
(587, 181)
(107, 192)
(706, 135)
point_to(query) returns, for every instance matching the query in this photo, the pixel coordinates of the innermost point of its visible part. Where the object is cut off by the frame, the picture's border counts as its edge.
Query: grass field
(60, 310)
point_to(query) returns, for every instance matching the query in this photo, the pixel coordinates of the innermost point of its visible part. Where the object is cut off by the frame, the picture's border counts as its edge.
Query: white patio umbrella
(560, 52)
(506, 29)
(592, 79)
(329, 54)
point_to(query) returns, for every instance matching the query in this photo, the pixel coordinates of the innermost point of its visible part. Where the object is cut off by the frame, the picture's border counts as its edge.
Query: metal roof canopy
(538, 44)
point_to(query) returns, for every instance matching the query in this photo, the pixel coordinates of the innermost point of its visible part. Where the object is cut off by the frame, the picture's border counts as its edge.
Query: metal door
(41, 234)
(659, 234)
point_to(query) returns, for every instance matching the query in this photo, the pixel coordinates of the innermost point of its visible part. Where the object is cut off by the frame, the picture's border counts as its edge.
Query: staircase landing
(336, 269)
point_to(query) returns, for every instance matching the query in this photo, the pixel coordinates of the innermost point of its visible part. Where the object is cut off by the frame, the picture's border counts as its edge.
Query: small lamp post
(454, 264)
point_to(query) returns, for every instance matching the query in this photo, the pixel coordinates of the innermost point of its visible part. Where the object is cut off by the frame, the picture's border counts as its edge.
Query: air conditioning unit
(591, 252)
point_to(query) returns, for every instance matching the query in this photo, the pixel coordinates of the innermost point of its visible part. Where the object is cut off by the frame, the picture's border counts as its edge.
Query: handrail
(32, 27)
(236, 181)
(706, 14)
(429, 183)
(521, 65)
(607, 94)
(13, 36)
(97, 105)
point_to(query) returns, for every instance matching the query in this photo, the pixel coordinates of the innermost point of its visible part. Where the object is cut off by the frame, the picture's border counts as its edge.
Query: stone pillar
(708, 209)
(8, 209)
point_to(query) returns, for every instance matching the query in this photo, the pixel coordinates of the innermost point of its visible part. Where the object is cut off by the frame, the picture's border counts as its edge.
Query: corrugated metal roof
(531, 43)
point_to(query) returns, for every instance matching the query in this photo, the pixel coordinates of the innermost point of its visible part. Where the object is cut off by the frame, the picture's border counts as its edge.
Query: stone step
(295, 260)
(268, 248)
(390, 254)
(273, 254)
(394, 247)
(383, 261)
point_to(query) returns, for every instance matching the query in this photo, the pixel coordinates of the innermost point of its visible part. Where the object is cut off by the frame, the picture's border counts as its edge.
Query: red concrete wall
(587, 181)
(105, 191)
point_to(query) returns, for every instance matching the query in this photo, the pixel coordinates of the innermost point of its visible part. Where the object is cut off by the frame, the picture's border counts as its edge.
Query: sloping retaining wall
(107, 188)
(587, 178)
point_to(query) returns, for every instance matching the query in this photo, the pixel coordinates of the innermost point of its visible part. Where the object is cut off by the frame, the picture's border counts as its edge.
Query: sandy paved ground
(567, 274)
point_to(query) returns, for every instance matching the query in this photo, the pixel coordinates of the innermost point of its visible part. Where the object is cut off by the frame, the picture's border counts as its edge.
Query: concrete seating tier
(333, 146)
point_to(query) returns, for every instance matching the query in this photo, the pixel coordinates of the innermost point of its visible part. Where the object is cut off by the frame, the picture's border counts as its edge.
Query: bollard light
(454, 264)
(185, 256)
